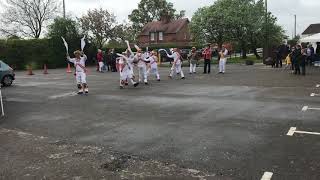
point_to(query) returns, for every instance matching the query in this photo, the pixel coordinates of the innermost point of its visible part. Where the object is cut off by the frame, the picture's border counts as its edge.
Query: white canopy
(311, 39)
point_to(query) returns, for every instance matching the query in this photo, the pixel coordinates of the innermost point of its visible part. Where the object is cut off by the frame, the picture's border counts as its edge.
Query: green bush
(37, 52)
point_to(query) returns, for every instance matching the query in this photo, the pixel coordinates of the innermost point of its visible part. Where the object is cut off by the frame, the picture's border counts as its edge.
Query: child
(153, 65)
(177, 63)
(80, 64)
(288, 61)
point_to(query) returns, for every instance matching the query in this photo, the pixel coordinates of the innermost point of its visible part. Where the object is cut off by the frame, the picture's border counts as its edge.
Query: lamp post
(64, 9)
(266, 49)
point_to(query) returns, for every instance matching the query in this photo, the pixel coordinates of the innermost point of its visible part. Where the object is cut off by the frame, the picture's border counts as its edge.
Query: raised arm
(70, 59)
(129, 48)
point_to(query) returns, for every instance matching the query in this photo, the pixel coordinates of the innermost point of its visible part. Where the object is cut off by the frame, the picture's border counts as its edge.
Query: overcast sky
(307, 11)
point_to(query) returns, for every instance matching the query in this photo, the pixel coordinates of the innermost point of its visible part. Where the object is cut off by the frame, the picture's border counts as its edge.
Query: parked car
(7, 75)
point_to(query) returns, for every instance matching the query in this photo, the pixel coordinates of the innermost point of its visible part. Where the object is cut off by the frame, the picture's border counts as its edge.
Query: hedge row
(36, 52)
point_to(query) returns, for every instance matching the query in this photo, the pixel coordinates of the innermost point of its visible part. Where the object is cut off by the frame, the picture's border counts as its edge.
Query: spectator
(107, 58)
(292, 58)
(207, 54)
(193, 58)
(297, 59)
(113, 60)
(310, 55)
(223, 60)
(303, 61)
(100, 60)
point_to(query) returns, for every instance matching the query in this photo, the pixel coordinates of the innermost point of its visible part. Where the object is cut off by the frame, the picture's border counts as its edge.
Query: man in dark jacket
(297, 59)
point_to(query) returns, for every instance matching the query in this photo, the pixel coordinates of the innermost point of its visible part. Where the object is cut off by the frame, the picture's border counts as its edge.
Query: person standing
(100, 60)
(223, 60)
(113, 60)
(303, 61)
(297, 58)
(207, 55)
(310, 55)
(193, 58)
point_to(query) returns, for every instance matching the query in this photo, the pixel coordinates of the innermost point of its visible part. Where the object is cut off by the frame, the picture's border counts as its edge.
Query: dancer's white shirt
(81, 62)
(176, 57)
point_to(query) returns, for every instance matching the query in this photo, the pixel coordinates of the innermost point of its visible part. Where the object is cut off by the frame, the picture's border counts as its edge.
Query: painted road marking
(305, 108)
(314, 94)
(267, 176)
(293, 130)
(69, 94)
(318, 85)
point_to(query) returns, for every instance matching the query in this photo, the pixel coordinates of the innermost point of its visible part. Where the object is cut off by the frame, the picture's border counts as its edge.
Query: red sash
(82, 67)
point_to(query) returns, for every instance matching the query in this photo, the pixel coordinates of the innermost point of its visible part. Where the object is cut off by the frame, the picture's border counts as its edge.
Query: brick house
(166, 32)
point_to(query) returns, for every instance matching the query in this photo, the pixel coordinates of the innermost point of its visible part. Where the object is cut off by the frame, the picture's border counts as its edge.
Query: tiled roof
(171, 27)
(312, 29)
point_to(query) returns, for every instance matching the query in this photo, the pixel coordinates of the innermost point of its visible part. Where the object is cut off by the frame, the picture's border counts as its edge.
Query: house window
(152, 36)
(161, 36)
(185, 35)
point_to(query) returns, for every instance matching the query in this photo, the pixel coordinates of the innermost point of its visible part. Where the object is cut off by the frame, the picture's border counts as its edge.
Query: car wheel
(7, 81)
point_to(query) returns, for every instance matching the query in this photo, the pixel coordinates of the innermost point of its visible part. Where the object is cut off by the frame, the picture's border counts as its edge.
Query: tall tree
(27, 17)
(152, 10)
(99, 24)
(239, 21)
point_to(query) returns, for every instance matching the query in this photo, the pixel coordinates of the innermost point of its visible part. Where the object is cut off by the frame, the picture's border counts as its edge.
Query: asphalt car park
(233, 125)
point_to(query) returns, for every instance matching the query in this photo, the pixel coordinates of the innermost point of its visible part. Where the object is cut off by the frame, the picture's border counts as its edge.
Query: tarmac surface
(233, 125)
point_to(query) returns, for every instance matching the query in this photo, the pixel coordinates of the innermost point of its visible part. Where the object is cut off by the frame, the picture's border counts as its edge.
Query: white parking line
(69, 94)
(314, 94)
(293, 130)
(267, 176)
(306, 108)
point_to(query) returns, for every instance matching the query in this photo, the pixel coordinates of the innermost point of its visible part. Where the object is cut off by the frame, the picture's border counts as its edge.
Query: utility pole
(64, 9)
(266, 48)
(295, 25)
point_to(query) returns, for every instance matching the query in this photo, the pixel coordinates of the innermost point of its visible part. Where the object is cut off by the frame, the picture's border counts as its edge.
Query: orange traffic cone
(69, 69)
(30, 70)
(45, 69)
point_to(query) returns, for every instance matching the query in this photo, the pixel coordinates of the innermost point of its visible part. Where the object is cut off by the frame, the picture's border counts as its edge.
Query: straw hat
(77, 52)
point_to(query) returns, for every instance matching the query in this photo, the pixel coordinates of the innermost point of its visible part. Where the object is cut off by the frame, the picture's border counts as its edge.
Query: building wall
(183, 37)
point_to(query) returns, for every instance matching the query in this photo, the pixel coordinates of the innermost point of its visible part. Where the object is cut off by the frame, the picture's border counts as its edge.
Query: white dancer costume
(154, 67)
(80, 65)
(142, 66)
(176, 66)
(126, 70)
(223, 61)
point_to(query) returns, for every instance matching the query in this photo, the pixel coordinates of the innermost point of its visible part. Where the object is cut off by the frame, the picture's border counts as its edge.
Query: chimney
(165, 18)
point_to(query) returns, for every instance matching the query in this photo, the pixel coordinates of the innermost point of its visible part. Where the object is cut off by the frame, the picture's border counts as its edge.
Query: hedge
(37, 52)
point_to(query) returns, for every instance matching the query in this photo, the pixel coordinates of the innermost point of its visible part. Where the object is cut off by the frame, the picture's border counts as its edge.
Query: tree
(27, 17)
(208, 25)
(99, 25)
(153, 10)
(239, 21)
(66, 28)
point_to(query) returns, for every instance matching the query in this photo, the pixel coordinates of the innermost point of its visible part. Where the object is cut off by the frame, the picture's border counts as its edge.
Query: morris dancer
(142, 65)
(80, 64)
(125, 70)
(153, 65)
(177, 62)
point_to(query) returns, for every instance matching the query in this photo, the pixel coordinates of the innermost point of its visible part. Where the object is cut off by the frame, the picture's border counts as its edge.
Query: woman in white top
(223, 60)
